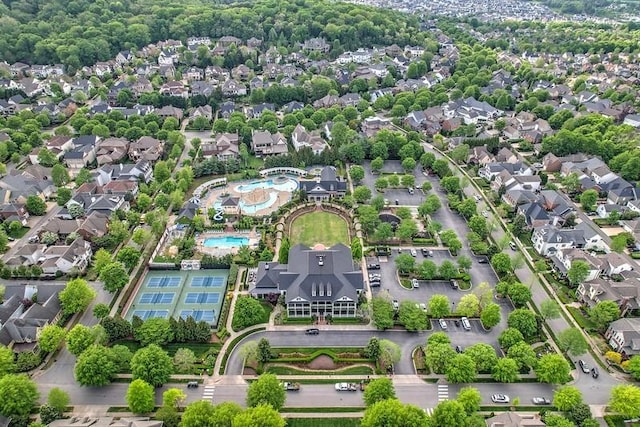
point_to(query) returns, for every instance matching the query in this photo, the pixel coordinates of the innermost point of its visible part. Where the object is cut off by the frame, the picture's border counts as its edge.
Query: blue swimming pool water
(245, 188)
(225, 242)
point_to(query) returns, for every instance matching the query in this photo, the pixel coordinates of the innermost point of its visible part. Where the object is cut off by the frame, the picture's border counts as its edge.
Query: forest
(81, 32)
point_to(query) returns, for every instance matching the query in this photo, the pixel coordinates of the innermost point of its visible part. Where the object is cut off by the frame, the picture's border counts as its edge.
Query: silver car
(500, 398)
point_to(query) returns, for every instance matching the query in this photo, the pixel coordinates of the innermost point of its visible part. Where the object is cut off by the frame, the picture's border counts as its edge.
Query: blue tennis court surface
(164, 282)
(201, 298)
(207, 282)
(157, 298)
(148, 314)
(198, 315)
(180, 294)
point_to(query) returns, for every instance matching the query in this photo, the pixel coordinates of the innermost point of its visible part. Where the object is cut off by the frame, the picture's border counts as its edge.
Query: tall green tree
(76, 296)
(377, 390)
(50, 338)
(95, 366)
(18, 395)
(140, 397)
(152, 364)
(553, 369)
(392, 413)
(261, 415)
(449, 413)
(114, 276)
(625, 400)
(566, 397)
(572, 341)
(266, 390)
(505, 370)
(604, 313)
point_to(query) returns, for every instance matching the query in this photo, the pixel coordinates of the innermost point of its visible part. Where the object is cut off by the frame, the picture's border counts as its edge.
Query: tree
(447, 270)
(483, 355)
(557, 421)
(566, 397)
(58, 399)
(468, 306)
(264, 350)
(18, 395)
(510, 337)
(501, 263)
(7, 363)
(48, 414)
(356, 249)
(470, 399)
(519, 294)
(390, 353)
(377, 165)
(464, 262)
(377, 390)
(266, 390)
(405, 263)
(100, 311)
(392, 413)
(63, 196)
(411, 316)
(519, 226)
(439, 306)
(183, 360)
(140, 397)
(200, 414)
(633, 367)
(625, 400)
(523, 320)
(438, 357)
(79, 339)
(75, 210)
(361, 194)
(173, 398)
(578, 272)
(283, 253)
(461, 369)
(449, 413)
(76, 296)
(523, 354)
(580, 415)
(50, 337)
(382, 311)
(261, 415)
(553, 369)
(490, 315)
(619, 243)
(248, 312)
(101, 258)
(549, 309)
(152, 364)
(604, 313)
(114, 277)
(572, 341)
(505, 370)
(95, 366)
(59, 175)
(430, 205)
(129, 256)
(356, 172)
(372, 350)
(36, 206)
(155, 330)
(588, 200)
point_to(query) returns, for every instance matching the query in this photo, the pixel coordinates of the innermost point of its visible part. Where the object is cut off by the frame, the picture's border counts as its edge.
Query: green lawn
(322, 422)
(319, 227)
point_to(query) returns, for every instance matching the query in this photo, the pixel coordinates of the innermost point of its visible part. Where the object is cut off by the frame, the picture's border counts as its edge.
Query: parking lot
(392, 194)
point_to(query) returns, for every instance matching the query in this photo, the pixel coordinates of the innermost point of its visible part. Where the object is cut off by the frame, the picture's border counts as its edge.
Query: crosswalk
(208, 392)
(429, 411)
(443, 392)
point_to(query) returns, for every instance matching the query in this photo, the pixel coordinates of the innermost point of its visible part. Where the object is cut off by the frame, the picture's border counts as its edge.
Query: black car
(594, 372)
(192, 384)
(457, 322)
(312, 331)
(483, 261)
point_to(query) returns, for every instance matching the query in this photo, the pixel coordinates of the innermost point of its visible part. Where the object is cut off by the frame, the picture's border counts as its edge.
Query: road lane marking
(208, 392)
(443, 392)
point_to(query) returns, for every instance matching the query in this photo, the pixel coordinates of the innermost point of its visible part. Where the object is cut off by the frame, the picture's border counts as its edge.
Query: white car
(443, 324)
(423, 307)
(414, 253)
(415, 283)
(500, 398)
(396, 305)
(541, 401)
(485, 214)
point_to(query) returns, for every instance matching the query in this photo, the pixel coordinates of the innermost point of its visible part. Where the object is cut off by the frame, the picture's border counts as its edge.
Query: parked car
(415, 283)
(423, 307)
(458, 349)
(414, 253)
(512, 245)
(594, 372)
(396, 305)
(584, 366)
(192, 384)
(454, 284)
(500, 398)
(483, 260)
(426, 252)
(312, 331)
(541, 401)
(485, 214)
(443, 324)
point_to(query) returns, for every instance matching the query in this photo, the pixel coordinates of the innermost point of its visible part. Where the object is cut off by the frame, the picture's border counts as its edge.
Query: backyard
(319, 227)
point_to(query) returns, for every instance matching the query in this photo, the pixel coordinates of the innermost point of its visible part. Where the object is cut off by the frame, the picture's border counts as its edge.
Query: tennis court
(180, 294)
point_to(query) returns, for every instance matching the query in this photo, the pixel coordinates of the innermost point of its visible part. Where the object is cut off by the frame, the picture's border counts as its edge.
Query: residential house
(326, 187)
(188, 211)
(82, 154)
(605, 210)
(374, 124)
(264, 143)
(225, 147)
(169, 111)
(20, 325)
(233, 88)
(106, 204)
(547, 239)
(564, 259)
(491, 170)
(12, 211)
(317, 281)
(625, 293)
(60, 227)
(94, 225)
(316, 45)
(624, 336)
(146, 148)
(202, 111)
(111, 150)
(122, 187)
(141, 171)
(67, 258)
(22, 184)
(300, 138)
(513, 419)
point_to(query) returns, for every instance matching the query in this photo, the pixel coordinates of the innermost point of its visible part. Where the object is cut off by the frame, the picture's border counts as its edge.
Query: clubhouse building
(316, 281)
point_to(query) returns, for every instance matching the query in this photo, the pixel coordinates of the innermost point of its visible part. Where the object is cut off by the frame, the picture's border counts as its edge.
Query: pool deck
(282, 196)
(252, 235)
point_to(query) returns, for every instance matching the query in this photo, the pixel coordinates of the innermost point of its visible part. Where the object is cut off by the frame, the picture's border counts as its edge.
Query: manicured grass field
(322, 422)
(319, 227)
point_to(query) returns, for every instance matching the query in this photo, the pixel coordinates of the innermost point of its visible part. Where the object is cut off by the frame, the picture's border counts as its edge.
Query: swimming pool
(225, 242)
(289, 185)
